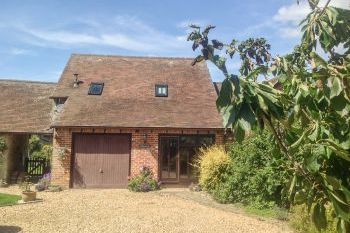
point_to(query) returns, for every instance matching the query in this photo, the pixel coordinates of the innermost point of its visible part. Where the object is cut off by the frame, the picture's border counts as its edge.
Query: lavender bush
(144, 182)
(44, 182)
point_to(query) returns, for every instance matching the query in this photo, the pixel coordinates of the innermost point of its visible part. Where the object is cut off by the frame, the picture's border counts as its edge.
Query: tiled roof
(128, 98)
(25, 106)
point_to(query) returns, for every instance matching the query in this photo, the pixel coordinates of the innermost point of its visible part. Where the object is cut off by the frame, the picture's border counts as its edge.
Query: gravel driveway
(114, 210)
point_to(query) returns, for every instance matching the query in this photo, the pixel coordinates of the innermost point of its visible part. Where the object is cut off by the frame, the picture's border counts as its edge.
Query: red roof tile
(128, 98)
(25, 106)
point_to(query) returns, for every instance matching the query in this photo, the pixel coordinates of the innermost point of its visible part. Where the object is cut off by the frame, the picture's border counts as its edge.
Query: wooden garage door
(101, 160)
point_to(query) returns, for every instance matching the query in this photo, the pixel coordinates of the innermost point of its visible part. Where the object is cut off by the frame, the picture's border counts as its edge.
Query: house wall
(141, 155)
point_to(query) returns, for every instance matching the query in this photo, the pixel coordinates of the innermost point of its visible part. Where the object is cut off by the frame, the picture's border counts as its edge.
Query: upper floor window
(96, 88)
(161, 90)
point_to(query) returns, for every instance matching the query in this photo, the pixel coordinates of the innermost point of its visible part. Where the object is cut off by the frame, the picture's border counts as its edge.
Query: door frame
(178, 180)
(72, 160)
(169, 180)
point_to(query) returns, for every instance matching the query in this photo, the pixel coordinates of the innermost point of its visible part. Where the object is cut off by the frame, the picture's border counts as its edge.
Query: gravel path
(116, 210)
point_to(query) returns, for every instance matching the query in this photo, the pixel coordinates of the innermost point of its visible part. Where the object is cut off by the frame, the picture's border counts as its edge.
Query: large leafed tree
(309, 115)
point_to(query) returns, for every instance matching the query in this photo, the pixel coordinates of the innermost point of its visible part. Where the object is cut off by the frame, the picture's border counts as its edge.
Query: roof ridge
(131, 56)
(26, 81)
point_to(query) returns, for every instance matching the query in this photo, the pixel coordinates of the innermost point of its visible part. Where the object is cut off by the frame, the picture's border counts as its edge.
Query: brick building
(113, 115)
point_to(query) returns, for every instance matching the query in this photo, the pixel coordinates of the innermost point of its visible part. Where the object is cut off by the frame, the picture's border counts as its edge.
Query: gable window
(60, 100)
(96, 88)
(161, 90)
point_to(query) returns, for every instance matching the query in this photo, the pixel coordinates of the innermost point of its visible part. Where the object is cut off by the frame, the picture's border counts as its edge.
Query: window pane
(161, 90)
(95, 89)
(206, 141)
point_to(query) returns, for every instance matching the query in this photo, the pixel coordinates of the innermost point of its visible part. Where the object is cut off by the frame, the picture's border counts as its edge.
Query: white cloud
(289, 16)
(19, 51)
(339, 3)
(182, 38)
(292, 13)
(289, 32)
(124, 32)
(64, 37)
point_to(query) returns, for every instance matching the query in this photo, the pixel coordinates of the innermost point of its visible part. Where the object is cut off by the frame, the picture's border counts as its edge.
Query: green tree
(38, 149)
(309, 117)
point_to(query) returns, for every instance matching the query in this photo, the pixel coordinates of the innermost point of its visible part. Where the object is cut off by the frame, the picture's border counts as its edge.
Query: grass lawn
(8, 199)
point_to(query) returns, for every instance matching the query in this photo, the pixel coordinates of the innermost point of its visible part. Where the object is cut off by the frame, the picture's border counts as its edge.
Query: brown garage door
(101, 160)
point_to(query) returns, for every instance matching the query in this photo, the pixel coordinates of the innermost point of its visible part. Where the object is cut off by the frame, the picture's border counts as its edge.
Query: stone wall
(141, 154)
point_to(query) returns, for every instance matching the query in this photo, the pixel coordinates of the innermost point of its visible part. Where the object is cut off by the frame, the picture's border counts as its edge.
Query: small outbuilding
(25, 109)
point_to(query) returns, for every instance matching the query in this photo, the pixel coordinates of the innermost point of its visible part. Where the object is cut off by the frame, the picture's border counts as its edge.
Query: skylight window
(161, 90)
(96, 88)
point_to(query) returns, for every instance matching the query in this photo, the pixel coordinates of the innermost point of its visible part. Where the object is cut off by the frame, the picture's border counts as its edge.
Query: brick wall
(141, 154)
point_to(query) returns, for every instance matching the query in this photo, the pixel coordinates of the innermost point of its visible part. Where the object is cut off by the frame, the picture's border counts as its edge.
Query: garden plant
(144, 182)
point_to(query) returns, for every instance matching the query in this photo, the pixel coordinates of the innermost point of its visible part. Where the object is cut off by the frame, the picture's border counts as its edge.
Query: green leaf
(229, 116)
(262, 104)
(259, 70)
(342, 226)
(336, 184)
(319, 216)
(314, 135)
(339, 199)
(300, 197)
(239, 133)
(312, 164)
(336, 87)
(246, 119)
(332, 14)
(228, 94)
(292, 186)
(310, 200)
(300, 139)
(340, 209)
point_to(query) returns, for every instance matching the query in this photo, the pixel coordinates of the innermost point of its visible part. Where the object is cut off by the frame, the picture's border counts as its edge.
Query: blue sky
(37, 37)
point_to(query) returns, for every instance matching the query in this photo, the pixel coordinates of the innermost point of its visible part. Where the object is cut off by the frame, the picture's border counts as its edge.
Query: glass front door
(178, 154)
(169, 153)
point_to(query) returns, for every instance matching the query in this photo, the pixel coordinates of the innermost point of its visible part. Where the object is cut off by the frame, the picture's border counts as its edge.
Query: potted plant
(27, 193)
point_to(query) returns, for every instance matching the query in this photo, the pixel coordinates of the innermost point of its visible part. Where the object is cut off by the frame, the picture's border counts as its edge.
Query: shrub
(301, 221)
(258, 177)
(213, 165)
(144, 182)
(44, 182)
(247, 174)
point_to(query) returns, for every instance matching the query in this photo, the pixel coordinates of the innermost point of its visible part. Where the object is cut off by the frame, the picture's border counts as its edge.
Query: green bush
(144, 182)
(247, 174)
(301, 221)
(39, 149)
